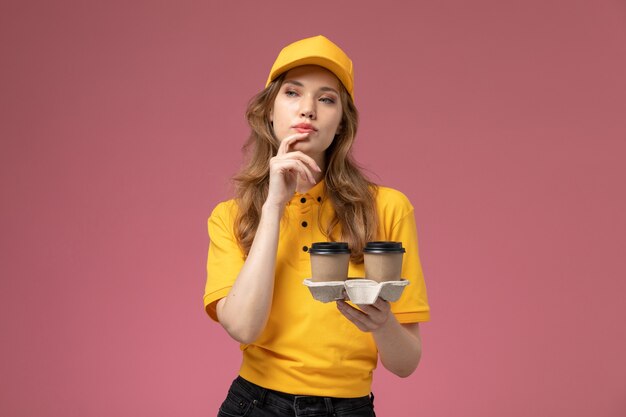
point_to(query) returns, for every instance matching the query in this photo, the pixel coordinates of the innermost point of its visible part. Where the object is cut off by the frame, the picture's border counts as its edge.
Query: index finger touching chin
(290, 140)
(282, 147)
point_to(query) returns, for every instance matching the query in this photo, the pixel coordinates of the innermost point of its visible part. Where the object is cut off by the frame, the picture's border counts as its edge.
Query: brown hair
(351, 194)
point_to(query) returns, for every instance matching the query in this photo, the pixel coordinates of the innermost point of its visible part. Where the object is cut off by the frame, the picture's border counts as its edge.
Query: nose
(307, 108)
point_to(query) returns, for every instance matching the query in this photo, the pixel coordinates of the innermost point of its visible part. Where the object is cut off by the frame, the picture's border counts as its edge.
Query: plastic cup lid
(384, 247)
(329, 248)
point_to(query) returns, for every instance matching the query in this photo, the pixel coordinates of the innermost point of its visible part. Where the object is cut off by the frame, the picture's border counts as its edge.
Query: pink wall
(504, 122)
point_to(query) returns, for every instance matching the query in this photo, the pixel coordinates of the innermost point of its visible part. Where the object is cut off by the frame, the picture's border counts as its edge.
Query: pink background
(504, 123)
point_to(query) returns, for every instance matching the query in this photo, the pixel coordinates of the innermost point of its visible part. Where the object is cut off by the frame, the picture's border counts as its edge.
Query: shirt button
(305, 248)
(304, 224)
(319, 199)
(303, 200)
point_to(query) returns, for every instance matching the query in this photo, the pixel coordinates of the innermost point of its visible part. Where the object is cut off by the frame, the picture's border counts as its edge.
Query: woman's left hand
(370, 318)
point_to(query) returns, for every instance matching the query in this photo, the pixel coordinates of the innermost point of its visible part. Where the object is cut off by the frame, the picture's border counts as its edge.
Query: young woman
(300, 185)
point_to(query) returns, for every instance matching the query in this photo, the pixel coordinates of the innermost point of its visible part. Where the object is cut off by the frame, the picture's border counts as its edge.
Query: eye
(327, 100)
(291, 93)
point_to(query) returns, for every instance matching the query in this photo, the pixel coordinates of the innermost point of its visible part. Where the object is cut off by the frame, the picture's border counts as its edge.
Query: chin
(302, 147)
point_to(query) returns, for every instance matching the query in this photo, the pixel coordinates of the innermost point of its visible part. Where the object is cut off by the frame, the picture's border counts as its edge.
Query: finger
(306, 173)
(378, 312)
(375, 308)
(296, 166)
(374, 316)
(381, 304)
(345, 307)
(368, 308)
(355, 313)
(306, 159)
(347, 312)
(297, 155)
(283, 148)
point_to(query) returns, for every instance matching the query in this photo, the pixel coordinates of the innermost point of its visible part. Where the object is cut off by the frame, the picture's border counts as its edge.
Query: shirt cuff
(413, 317)
(211, 299)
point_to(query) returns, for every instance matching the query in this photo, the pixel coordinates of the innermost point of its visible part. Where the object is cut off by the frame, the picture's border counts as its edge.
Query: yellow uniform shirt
(308, 347)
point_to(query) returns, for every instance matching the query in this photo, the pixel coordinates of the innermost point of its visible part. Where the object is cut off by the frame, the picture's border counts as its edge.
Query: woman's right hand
(285, 168)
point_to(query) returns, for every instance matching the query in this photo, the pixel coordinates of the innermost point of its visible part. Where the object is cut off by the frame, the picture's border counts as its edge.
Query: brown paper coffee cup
(329, 261)
(383, 261)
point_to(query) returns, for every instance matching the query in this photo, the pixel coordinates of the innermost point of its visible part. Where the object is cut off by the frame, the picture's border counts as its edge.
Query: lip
(304, 128)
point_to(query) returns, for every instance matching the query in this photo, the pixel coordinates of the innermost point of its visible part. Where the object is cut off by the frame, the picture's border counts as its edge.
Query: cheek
(280, 123)
(278, 114)
(338, 124)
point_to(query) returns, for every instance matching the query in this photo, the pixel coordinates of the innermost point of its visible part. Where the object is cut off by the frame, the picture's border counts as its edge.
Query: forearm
(245, 310)
(400, 350)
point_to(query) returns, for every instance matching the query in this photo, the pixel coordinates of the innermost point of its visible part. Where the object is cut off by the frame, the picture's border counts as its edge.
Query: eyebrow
(299, 84)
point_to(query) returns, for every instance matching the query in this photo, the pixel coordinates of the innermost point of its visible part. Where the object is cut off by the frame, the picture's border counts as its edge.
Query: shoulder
(396, 217)
(391, 199)
(392, 207)
(224, 212)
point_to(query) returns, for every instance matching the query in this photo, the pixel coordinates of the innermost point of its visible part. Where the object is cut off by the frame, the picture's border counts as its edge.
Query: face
(308, 101)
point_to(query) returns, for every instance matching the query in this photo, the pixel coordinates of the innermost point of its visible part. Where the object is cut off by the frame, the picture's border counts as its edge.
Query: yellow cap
(317, 50)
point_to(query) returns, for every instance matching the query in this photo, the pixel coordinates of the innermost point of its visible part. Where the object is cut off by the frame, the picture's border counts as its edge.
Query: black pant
(250, 400)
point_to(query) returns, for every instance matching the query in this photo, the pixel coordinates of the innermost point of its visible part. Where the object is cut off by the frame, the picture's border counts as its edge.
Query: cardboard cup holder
(358, 290)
